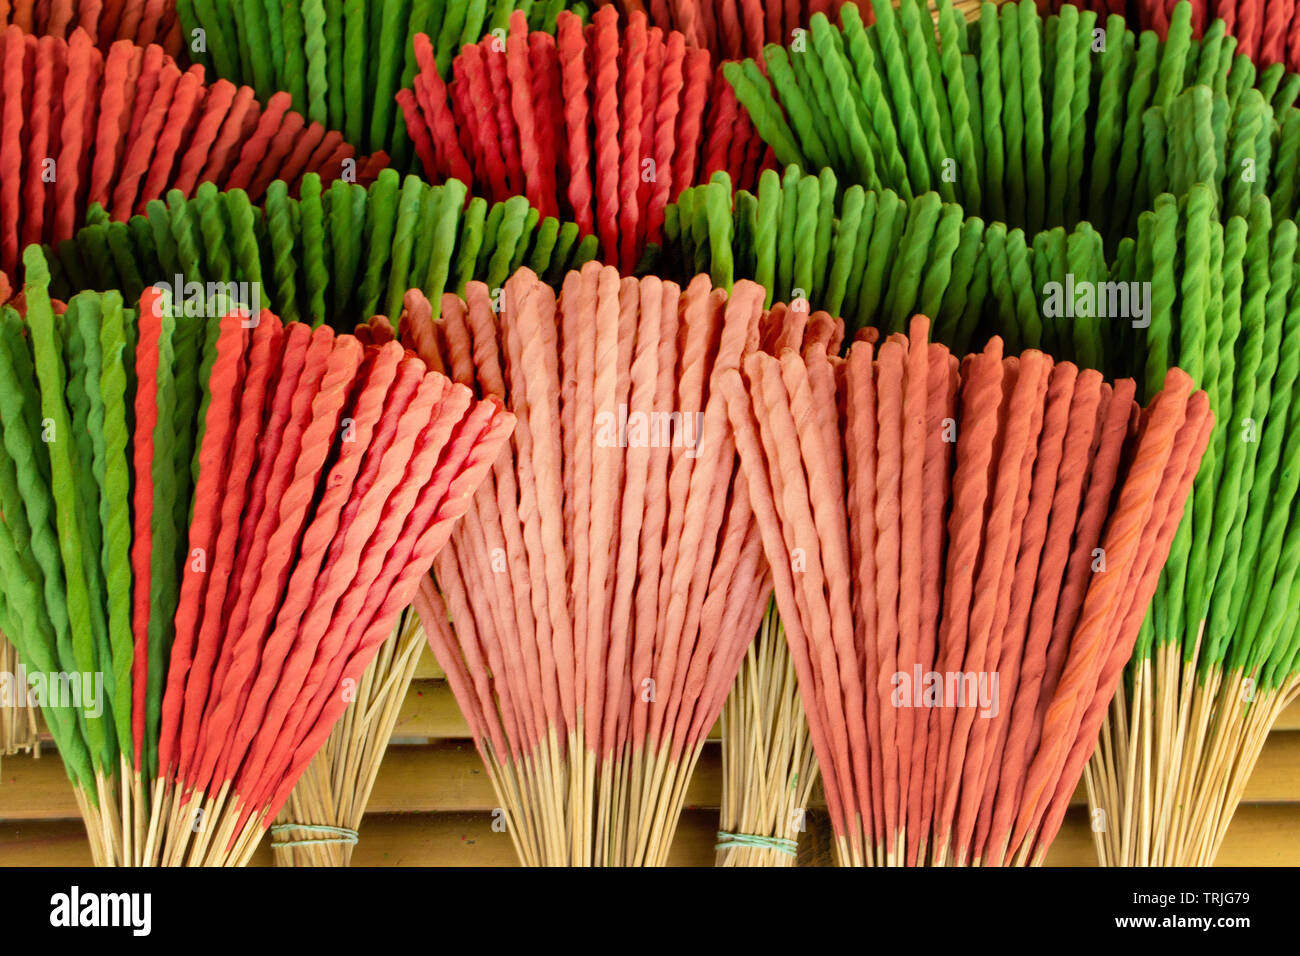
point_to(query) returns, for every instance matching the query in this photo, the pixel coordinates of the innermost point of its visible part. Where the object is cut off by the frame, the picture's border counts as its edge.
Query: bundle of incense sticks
(600, 125)
(1049, 132)
(1267, 31)
(78, 126)
(768, 765)
(342, 63)
(731, 29)
(962, 553)
(19, 731)
(592, 611)
(226, 532)
(1219, 656)
(320, 821)
(330, 256)
(140, 22)
(876, 259)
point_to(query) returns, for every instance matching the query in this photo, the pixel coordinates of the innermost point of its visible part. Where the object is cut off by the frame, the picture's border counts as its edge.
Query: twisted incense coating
(631, 149)
(314, 49)
(1164, 247)
(80, 69)
(753, 93)
(182, 234)
(837, 78)
(521, 104)
(313, 242)
(573, 79)
(284, 265)
(968, 168)
(1013, 110)
(665, 119)
(246, 254)
(1031, 65)
(116, 520)
(1109, 111)
(928, 98)
(991, 109)
(1061, 120)
(1079, 109)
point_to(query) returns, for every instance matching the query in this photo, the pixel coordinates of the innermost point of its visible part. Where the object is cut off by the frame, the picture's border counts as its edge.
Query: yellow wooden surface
(432, 802)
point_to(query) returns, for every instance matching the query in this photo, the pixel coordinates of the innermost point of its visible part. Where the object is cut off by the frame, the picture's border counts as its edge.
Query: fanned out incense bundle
(320, 821)
(79, 127)
(142, 23)
(1219, 656)
(1018, 119)
(731, 29)
(768, 765)
(1267, 31)
(877, 259)
(594, 608)
(342, 62)
(224, 518)
(332, 255)
(602, 125)
(962, 553)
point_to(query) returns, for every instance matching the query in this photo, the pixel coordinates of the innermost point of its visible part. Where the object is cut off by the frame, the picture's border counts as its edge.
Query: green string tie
(731, 841)
(337, 835)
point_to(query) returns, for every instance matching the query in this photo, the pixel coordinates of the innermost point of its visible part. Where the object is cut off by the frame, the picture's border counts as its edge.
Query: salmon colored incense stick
(486, 123)
(1265, 30)
(926, 598)
(732, 29)
(593, 610)
(326, 476)
(80, 126)
(155, 23)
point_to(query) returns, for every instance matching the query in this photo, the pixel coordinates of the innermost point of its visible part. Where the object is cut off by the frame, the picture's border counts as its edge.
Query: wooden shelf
(432, 802)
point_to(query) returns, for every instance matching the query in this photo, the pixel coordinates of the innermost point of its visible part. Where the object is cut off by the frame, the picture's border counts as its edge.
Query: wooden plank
(447, 776)
(427, 668)
(1263, 835)
(429, 710)
(1259, 835)
(1289, 719)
